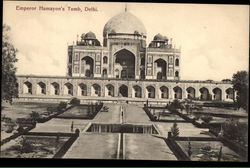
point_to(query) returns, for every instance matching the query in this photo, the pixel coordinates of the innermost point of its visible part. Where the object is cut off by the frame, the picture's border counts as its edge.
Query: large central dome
(124, 23)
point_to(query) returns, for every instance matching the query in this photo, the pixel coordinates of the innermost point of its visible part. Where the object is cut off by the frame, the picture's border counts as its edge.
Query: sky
(214, 39)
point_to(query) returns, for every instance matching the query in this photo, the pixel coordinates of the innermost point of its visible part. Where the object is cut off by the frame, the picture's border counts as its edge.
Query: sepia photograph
(125, 81)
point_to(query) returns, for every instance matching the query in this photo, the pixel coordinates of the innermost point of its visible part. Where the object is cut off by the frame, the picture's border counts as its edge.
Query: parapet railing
(126, 79)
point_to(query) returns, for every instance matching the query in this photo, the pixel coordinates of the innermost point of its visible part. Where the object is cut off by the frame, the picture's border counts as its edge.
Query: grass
(34, 147)
(167, 115)
(214, 110)
(59, 125)
(22, 110)
(75, 112)
(198, 154)
(103, 145)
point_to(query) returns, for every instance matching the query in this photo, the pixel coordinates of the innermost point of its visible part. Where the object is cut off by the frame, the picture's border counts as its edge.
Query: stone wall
(66, 83)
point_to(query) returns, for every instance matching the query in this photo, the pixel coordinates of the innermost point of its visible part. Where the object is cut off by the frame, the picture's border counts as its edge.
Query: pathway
(104, 145)
(135, 114)
(94, 146)
(112, 116)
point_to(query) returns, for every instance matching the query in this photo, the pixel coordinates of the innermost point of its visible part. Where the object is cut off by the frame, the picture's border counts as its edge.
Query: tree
(24, 145)
(9, 82)
(240, 85)
(206, 118)
(189, 149)
(9, 125)
(220, 154)
(235, 130)
(175, 130)
(75, 101)
(175, 105)
(226, 80)
(62, 105)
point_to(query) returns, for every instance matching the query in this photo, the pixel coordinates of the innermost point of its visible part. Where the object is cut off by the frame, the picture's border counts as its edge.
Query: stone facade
(147, 89)
(124, 53)
(123, 67)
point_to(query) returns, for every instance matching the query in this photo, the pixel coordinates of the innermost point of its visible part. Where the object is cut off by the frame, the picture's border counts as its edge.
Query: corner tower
(163, 59)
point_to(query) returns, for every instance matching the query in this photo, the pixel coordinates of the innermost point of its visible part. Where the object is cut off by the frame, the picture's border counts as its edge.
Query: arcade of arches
(133, 89)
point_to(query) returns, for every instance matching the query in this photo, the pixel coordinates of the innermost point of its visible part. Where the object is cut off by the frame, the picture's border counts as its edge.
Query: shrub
(74, 101)
(34, 115)
(5, 119)
(62, 105)
(20, 129)
(197, 117)
(155, 117)
(189, 149)
(234, 130)
(175, 130)
(206, 148)
(25, 122)
(51, 109)
(175, 105)
(25, 146)
(9, 128)
(9, 125)
(206, 118)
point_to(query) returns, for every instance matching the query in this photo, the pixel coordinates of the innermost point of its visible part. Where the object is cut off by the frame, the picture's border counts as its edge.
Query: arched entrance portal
(55, 89)
(177, 92)
(160, 68)
(204, 94)
(82, 90)
(27, 88)
(230, 93)
(190, 93)
(68, 89)
(109, 90)
(96, 90)
(41, 88)
(164, 92)
(123, 91)
(217, 94)
(117, 73)
(87, 66)
(150, 90)
(125, 61)
(137, 91)
(104, 73)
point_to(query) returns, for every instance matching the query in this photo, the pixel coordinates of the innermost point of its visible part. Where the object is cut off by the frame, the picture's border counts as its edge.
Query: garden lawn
(185, 129)
(23, 109)
(60, 125)
(222, 120)
(198, 154)
(34, 147)
(231, 111)
(76, 112)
